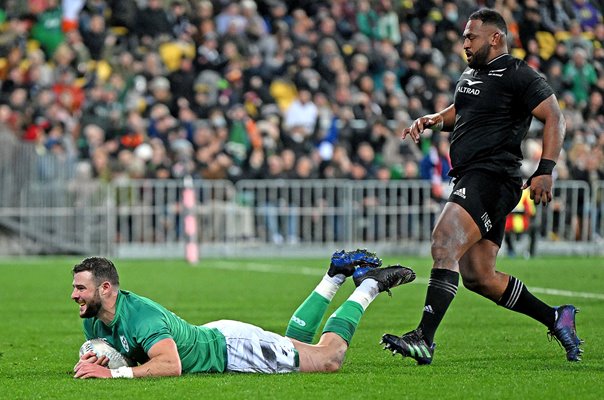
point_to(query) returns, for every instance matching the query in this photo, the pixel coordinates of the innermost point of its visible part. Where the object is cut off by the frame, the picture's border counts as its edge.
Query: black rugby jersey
(493, 112)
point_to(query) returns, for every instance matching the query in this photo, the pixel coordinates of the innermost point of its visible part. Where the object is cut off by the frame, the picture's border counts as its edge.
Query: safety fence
(48, 207)
(144, 218)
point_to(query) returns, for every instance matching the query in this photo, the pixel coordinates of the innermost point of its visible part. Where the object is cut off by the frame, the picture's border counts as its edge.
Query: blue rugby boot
(387, 278)
(345, 262)
(411, 344)
(565, 332)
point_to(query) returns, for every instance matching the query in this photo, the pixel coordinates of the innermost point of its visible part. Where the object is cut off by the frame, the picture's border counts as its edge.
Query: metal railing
(144, 218)
(61, 213)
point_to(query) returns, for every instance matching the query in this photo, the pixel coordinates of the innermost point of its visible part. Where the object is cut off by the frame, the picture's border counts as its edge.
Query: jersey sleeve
(533, 88)
(152, 327)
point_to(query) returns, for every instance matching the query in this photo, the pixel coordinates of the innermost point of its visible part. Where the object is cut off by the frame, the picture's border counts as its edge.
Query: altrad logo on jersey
(468, 90)
(470, 82)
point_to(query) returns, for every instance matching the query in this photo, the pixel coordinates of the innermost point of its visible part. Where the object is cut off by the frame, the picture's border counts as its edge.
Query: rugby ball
(100, 347)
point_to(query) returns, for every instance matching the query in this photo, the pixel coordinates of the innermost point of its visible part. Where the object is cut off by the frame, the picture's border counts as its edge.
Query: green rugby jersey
(139, 323)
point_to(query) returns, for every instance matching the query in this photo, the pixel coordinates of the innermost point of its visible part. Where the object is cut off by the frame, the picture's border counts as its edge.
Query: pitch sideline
(257, 267)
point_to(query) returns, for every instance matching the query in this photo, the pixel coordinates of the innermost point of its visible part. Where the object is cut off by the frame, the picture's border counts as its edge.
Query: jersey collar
(493, 63)
(118, 307)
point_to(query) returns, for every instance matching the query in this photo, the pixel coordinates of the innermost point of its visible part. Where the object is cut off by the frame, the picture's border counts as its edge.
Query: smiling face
(482, 42)
(87, 294)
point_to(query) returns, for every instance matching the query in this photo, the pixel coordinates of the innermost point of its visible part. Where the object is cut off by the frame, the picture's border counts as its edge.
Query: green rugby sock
(345, 320)
(305, 322)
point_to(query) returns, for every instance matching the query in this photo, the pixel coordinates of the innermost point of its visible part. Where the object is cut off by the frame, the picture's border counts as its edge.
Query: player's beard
(92, 307)
(480, 57)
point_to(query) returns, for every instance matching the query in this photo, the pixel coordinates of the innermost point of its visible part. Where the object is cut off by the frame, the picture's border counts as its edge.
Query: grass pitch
(483, 351)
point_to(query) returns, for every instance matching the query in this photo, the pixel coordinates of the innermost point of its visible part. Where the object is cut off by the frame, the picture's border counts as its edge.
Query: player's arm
(554, 129)
(444, 119)
(163, 361)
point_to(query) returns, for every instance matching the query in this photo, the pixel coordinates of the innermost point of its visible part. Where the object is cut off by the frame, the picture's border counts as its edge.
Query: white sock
(365, 293)
(329, 285)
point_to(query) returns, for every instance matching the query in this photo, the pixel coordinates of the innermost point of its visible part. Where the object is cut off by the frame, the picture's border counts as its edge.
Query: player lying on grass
(163, 344)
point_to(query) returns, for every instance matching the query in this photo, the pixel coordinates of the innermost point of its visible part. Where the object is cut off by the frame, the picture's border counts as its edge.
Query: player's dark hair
(492, 17)
(101, 268)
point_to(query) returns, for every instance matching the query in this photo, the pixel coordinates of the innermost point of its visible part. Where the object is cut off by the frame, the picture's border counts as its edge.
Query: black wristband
(546, 167)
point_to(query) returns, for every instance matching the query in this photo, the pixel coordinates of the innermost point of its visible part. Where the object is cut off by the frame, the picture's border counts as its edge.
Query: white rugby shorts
(252, 349)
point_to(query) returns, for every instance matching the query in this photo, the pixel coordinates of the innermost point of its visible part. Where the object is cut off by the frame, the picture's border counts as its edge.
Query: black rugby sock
(442, 289)
(517, 298)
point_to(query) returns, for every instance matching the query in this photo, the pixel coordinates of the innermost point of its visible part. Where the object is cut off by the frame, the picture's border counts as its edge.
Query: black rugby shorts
(488, 198)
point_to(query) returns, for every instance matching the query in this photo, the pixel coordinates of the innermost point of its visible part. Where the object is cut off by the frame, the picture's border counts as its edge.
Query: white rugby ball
(101, 348)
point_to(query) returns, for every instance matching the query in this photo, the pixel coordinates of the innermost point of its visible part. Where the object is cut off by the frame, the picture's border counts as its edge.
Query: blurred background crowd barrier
(144, 218)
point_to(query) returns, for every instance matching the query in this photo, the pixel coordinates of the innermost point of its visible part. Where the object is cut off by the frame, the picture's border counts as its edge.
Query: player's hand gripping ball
(101, 348)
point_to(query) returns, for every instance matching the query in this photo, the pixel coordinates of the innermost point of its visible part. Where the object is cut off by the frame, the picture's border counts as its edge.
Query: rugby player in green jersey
(163, 344)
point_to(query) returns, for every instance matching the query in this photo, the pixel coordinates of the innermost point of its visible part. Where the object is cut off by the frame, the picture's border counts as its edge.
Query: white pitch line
(309, 271)
(567, 293)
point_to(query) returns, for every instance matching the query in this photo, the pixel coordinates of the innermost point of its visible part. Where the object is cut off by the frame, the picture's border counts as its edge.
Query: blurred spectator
(152, 22)
(124, 14)
(182, 27)
(95, 36)
(519, 223)
(587, 14)
(580, 76)
(230, 19)
(243, 134)
(530, 22)
(182, 81)
(387, 22)
(47, 29)
(576, 39)
(255, 27)
(435, 167)
(302, 114)
(365, 160)
(15, 34)
(339, 166)
(556, 15)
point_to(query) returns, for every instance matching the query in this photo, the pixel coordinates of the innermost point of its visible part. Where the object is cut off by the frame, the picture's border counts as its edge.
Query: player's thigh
(252, 349)
(455, 229)
(488, 199)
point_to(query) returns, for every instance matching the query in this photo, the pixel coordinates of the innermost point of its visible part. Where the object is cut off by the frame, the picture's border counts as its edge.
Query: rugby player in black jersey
(495, 99)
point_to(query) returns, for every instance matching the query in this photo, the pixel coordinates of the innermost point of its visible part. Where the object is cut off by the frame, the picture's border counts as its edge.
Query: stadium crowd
(277, 89)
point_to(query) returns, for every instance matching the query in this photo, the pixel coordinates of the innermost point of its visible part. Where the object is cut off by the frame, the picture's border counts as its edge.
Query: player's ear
(105, 287)
(496, 38)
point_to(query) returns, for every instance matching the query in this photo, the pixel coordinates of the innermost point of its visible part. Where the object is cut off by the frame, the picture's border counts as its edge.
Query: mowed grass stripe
(310, 271)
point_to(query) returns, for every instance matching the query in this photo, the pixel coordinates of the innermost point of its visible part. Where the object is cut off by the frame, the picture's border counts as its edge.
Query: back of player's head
(101, 268)
(492, 17)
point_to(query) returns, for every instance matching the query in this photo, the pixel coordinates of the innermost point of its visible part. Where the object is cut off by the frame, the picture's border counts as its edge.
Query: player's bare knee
(443, 250)
(334, 360)
(477, 284)
(472, 284)
(333, 364)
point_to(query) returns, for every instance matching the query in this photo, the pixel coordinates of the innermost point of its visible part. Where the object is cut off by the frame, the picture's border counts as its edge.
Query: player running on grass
(165, 345)
(495, 100)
